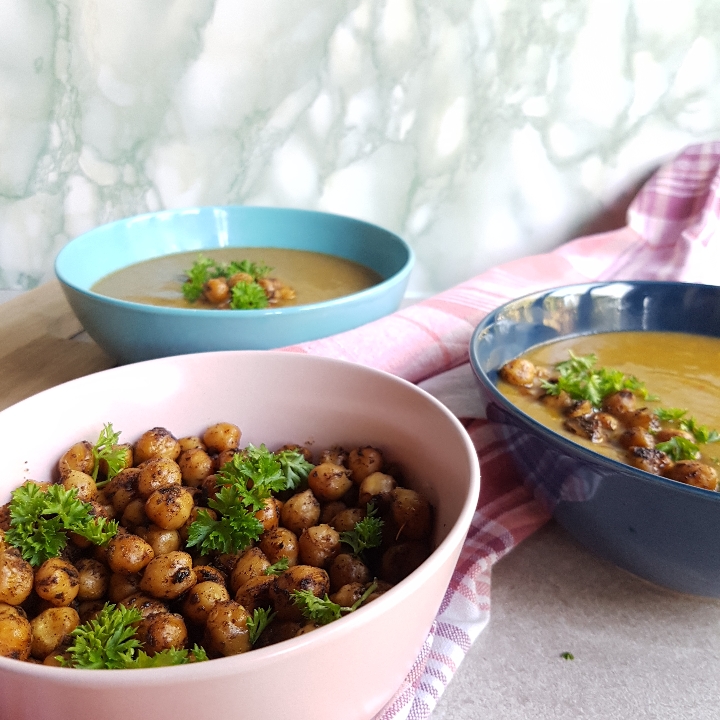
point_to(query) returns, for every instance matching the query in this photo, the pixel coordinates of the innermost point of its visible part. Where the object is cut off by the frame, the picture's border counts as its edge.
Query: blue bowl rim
(352, 298)
(555, 437)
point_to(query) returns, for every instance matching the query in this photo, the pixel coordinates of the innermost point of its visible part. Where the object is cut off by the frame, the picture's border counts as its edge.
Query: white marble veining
(479, 130)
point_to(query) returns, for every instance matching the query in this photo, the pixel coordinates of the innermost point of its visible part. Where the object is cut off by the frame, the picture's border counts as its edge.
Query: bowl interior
(91, 256)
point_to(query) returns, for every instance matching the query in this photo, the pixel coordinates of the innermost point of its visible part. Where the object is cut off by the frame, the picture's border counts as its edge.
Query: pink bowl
(348, 669)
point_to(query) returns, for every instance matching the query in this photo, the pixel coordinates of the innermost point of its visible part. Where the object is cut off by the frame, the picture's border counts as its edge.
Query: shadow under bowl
(660, 530)
(130, 331)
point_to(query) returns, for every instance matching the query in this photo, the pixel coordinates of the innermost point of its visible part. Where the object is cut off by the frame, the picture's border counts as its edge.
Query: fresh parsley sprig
(106, 448)
(248, 296)
(258, 621)
(679, 448)
(580, 379)
(41, 518)
(168, 657)
(366, 534)
(323, 610)
(677, 416)
(277, 568)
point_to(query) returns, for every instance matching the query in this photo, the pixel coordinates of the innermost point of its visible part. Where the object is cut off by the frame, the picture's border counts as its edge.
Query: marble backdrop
(480, 130)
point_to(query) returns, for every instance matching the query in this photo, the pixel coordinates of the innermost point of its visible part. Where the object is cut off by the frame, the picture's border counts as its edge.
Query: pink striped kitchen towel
(672, 234)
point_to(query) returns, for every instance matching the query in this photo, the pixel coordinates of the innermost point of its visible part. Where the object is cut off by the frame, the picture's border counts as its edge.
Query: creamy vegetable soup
(649, 399)
(306, 277)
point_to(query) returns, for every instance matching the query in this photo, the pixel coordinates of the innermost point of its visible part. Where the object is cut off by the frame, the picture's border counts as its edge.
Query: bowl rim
(556, 438)
(356, 297)
(233, 665)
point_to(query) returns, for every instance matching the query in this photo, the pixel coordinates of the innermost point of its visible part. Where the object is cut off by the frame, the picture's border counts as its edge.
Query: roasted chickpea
(50, 628)
(330, 510)
(251, 563)
(82, 483)
(78, 457)
(694, 473)
(412, 514)
(364, 461)
(128, 554)
(122, 488)
(145, 604)
(157, 442)
(347, 519)
(301, 511)
(190, 442)
(16, 577)
(157, 473)
(620, 404)
(57, 581)
(133, 516)
(169, 507)
(121, 586)
(161, 540)
(329, 482)
(269, 515)
(335, 455)
(520, 372)
(195, 465)
(226, 630)
(201, 599)
(94, 578)
(280, 543)
(299, 577)
(376, 487)
(318, 545)
(255, 593)
(349, 594)
(636, 437)
(400, 560)
(162, 631)
(208, 573)
(168, 576)
(217, 291)
(15, 633)
(347, 569)
(222, 436)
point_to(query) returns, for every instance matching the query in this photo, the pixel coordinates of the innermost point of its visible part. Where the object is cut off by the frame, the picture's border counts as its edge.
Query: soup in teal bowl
(129, 328)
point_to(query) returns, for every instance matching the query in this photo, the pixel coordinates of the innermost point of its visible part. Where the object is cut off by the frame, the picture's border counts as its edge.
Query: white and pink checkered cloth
(672, 234)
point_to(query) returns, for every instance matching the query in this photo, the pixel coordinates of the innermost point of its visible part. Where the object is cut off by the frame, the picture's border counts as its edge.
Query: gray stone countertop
(639, 651)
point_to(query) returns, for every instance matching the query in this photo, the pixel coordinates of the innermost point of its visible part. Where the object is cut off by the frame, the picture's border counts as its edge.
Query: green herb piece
(258, 621)
(323, 610)
(248, 296)
(701, 433)
(256, 270)
(168, 657)
(582, 381)
(671, 415)
(40, 519)
(235, 530)
(366, 534)
(294, 467)
(277, 568)
(106, 449)
(567, 656)
(197, 276)
(679, 448)
(108, 641)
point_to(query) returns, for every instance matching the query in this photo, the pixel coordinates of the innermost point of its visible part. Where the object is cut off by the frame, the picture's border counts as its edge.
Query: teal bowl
(130, 331)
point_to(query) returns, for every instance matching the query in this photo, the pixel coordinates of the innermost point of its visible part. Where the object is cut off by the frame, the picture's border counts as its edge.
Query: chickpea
(78, 457)
(346, 569)
(400, 560)
(330, 510)
(299, 577)
(162, 631)
(620, 403)
(122, 488)
(201, 599)
(82, 482)
(16, 577)
(412, 513)
(255, 593)
(669, 433)
(347, 519)
(57, 581)
(280, 543)
(128, 554)
(133, 516)
(349, 594)
(89, 610)
(50, 628)
(168, 576)
(160, 540)
(364, 461)
(692, 472)
(121, 586)
(318, 545)
(222, 436)
(269, 516)
(301, 511)
(94, 578)
(377, 486)
(217, 291)
(207, 573)
(223, 458)
(335, 455)
(158, 473)
(649, 460)
(642, 418)
(520, 372)
(277, 631)
(190, 442)
(157, 442)
(636, 437)
(195, 465)
(15, 633)
(169, 507)
(329, 482)
(560, 402)
(146, 605)
(226, 630)
(251, 563)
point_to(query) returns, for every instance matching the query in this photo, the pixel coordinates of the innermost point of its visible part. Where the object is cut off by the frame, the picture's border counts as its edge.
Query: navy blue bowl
(661, 530)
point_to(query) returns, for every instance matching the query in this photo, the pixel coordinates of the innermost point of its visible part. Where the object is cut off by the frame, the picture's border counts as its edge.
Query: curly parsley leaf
(106, 448)
(366, 534)
(168, 657)
(108, 641)
(258, 621)
(323, 610)
(248, 296)
(277, 568)
(679, 448)
(196, 277)
(40, 519)
(294, 467)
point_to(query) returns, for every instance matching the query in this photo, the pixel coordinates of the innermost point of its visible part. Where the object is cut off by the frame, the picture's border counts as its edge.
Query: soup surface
(679, 372)
(315, 277)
